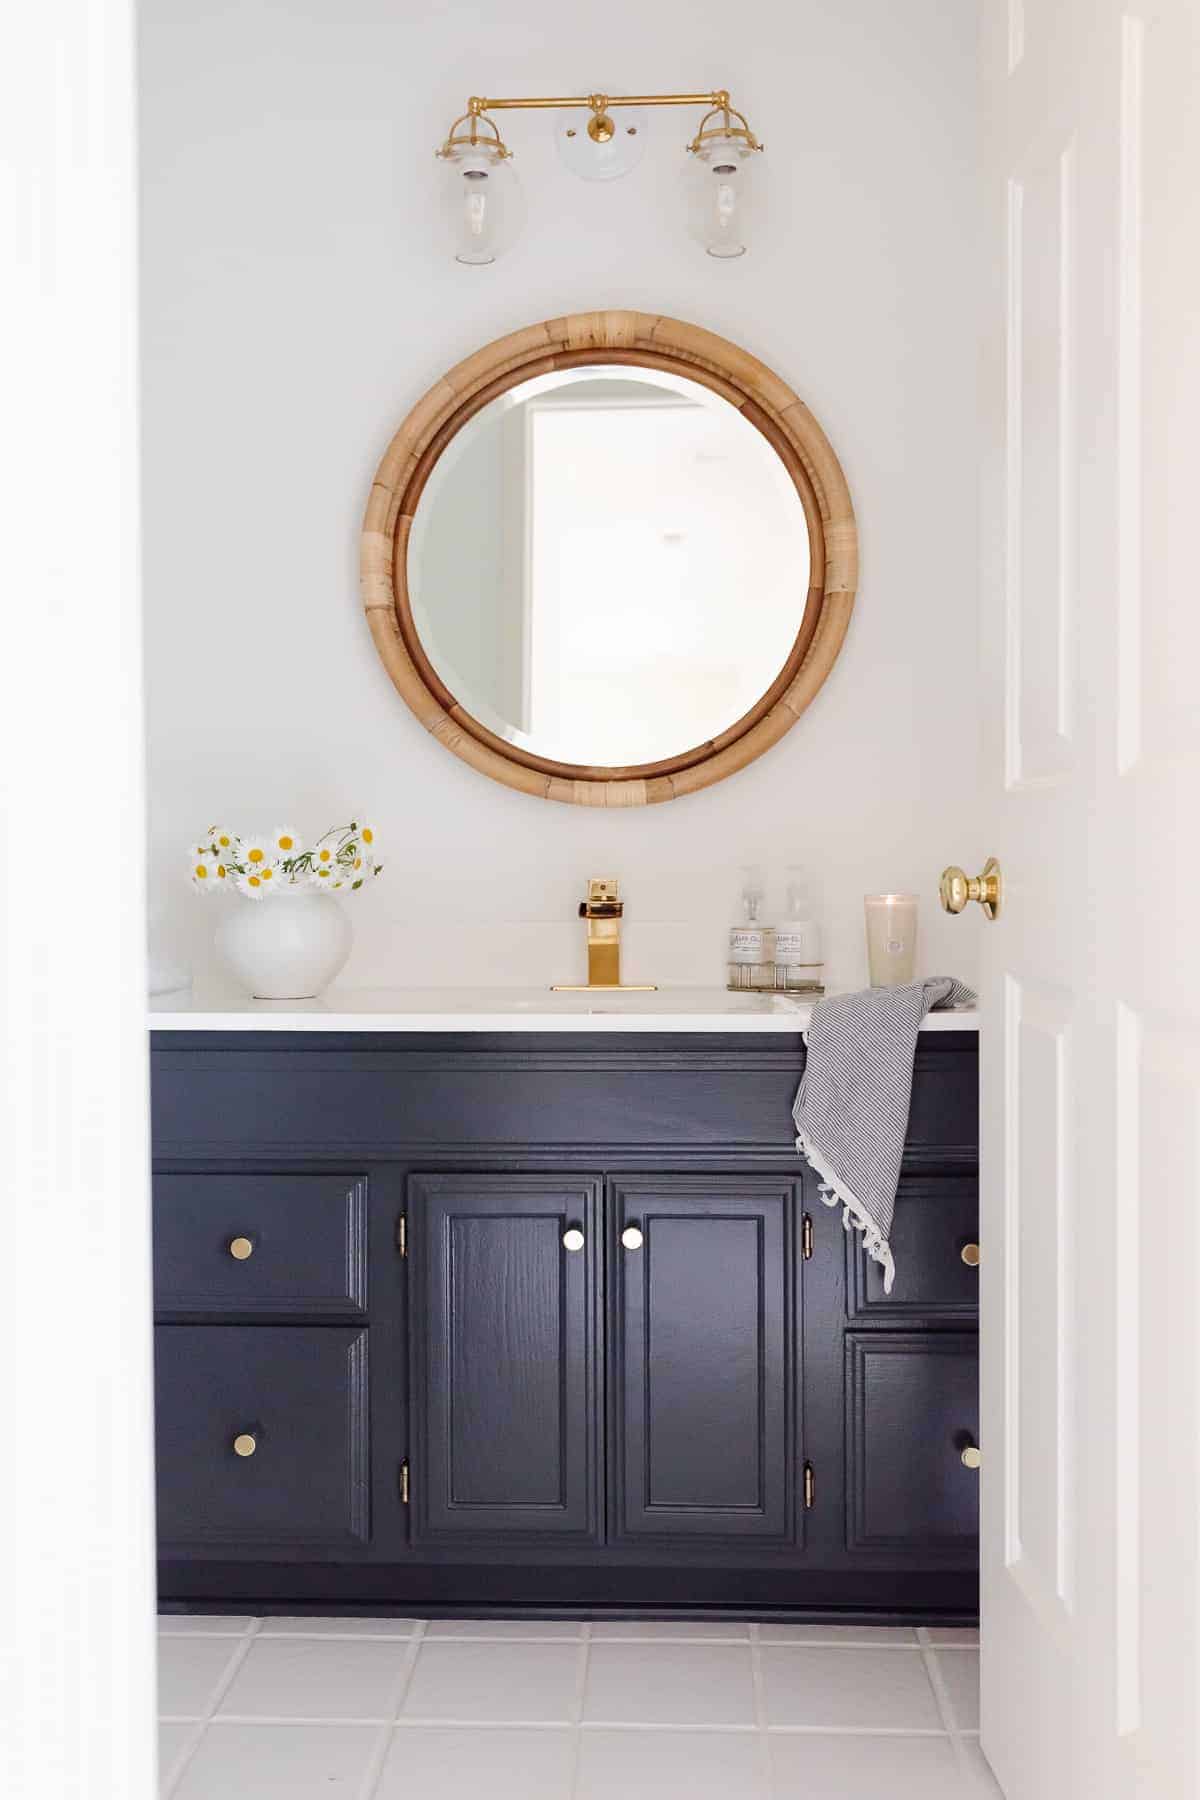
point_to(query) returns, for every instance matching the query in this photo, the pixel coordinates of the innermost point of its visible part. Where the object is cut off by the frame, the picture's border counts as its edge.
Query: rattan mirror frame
(618, 338)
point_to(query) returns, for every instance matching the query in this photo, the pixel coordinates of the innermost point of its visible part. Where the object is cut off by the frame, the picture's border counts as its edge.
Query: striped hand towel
(851, 1111)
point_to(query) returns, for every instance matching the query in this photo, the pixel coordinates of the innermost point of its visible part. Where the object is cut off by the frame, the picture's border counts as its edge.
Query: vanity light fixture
(483, 196)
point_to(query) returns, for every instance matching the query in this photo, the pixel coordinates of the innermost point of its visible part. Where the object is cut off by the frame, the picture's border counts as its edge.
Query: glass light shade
(719, 183)
(482, 200)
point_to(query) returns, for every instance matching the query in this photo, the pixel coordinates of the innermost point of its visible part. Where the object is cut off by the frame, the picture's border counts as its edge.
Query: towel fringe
(854, 1215)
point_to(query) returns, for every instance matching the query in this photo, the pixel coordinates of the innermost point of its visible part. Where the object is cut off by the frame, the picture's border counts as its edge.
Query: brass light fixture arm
(600, 127)
(605, 100)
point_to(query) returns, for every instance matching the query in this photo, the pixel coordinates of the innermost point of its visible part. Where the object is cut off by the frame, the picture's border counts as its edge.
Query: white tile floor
(397, 1709)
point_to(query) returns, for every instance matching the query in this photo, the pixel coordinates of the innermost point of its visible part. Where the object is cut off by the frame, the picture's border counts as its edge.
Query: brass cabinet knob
(240, 1248)
(572, 1238)
(970, 1255)
(972, 1456)
(956, 889)
(631, 1237)
(245, 1444)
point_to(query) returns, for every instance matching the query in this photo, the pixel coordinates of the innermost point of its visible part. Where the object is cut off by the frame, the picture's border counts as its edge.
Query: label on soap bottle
(797, 945)
(749, 943)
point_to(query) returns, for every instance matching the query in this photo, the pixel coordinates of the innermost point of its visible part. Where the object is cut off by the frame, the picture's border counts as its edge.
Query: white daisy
(252, 885)
(223, 842)
(324, 856)
(366, 834)
(256, 851)
(286, 843)
(202, 867)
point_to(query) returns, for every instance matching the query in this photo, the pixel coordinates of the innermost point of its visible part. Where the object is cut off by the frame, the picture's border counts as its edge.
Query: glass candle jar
(891, 939)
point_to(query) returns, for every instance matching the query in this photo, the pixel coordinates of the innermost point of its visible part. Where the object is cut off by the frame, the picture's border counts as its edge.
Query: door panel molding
(703, 1351)
(1040, 1230)
(1041, 485)
(504, 1356)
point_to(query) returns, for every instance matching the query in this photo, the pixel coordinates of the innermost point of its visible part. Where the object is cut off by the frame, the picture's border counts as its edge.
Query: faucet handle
(602, 899)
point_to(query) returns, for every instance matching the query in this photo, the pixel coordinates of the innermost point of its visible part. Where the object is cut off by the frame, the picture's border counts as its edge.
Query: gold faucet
(603, 910)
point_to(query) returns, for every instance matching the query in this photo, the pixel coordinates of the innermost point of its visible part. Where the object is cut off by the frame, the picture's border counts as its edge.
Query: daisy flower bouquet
(292, 951)
(262, 865)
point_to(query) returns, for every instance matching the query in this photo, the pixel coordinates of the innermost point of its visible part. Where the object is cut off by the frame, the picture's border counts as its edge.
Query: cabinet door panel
(912, 1406)
(299, 1395)
(702, 1339)
(504, 1350)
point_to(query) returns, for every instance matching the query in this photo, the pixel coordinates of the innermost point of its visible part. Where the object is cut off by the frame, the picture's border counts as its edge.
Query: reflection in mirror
(608, 566)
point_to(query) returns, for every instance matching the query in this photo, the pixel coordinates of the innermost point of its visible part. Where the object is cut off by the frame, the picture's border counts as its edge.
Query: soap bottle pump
(751, 944)
(798, 965)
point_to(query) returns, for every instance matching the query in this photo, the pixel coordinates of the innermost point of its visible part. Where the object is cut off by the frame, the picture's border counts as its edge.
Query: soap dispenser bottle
(798, 965)
(751, 944)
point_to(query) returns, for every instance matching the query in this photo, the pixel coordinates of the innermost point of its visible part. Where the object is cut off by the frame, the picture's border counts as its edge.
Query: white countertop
(501, 1009)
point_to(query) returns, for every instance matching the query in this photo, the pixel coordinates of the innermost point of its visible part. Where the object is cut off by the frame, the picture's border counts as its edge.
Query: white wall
(296, 304)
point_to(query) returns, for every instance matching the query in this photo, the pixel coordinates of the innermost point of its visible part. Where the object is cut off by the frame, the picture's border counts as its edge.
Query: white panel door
(1091, 976)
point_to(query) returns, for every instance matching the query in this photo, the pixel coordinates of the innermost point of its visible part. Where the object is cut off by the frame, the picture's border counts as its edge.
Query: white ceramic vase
(287, 947)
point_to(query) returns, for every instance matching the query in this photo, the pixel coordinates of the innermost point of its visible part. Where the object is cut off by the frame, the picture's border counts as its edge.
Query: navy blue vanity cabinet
(553, 1323)
(250, 1245)
(912, 1405)
(269, 1431)
(704, 1357)
(247, 1456)
(505, 1357)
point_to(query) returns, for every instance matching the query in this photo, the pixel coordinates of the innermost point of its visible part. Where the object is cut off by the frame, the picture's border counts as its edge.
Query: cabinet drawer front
(912, 1407)
(703, 1382)
(233, 1244)
(936, 1220)
(261, 1434)
(504, 1356)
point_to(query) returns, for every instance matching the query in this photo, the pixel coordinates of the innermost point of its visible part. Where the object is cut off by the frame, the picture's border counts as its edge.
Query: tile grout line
(839, 1644)
(217, 1693)
(941, 1694)
(833, 1731)
(373, 1774)
(760, 1707)
(629, 1726)
(168, 1780)
(448, 1722)
(583, 1657)
(167, 1628)
(337, 1637)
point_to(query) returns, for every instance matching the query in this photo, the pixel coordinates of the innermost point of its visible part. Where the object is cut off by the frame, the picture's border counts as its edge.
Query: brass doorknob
(240, 1248)
(572, 1238)
(245, 1444)
(631, 1237)
(970, 1255)
(972, 1456)
(956, 889)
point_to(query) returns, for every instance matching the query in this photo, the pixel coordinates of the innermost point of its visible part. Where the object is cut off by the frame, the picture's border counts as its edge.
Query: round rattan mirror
(609, 559)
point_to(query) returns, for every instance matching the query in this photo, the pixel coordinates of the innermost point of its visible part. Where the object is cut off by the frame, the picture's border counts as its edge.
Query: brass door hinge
(404, 1482)
(806, 1237)
(810, 1487)
(402, 1234)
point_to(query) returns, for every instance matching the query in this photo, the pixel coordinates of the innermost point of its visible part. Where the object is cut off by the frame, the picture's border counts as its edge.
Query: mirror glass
(608, 566)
